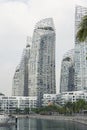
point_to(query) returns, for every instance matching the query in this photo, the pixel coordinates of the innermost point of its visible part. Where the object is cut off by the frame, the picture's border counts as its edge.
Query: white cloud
(24, 1)
(81, 2)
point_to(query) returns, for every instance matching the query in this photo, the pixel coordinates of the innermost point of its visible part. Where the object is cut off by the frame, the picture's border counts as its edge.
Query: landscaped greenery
(67, 109)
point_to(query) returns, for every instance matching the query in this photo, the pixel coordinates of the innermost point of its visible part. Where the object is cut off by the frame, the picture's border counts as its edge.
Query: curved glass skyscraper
(67, 72)
(80, 53)
(20, 79)
(42, 60)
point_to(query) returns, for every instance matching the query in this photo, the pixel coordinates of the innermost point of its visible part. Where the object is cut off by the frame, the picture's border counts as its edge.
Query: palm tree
(82, 30)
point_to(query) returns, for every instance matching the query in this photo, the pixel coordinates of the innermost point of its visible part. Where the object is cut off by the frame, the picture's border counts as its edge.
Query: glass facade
(20, 79)
(67, 72)
(42, 60)
(80, 53)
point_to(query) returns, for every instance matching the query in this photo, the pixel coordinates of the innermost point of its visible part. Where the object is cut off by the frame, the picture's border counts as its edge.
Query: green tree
(26, 110)
(17, 110)
(81, 104)
(68, 107)
(82, 30)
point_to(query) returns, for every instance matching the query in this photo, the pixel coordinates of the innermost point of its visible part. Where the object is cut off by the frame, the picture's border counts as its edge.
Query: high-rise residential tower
(67, 72)
(20, 79)
(80, 53)
(16, 82)
(42, 60)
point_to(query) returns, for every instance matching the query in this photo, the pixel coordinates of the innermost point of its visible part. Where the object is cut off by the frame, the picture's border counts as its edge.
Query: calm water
(37, 124)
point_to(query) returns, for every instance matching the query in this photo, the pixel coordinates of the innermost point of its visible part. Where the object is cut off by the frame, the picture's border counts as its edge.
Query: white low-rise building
(64, 97)
(48, 99)
(71, 96)
(11, 103)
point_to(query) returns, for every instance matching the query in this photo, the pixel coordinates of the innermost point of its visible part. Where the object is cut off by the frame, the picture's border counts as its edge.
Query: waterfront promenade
(79, 118)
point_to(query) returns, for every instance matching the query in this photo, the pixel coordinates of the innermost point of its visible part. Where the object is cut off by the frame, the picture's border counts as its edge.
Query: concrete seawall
(79, 119)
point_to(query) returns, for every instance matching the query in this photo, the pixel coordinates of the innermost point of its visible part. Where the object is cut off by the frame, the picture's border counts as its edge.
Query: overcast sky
(17, 21)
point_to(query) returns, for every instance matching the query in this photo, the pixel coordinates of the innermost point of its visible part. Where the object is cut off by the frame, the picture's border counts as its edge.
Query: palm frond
(79, 35)
(82, 30)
